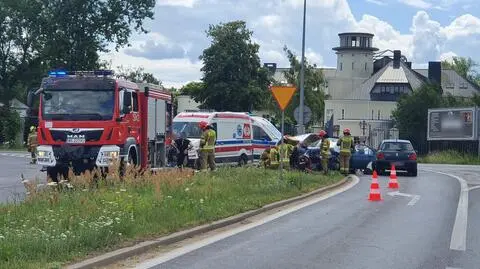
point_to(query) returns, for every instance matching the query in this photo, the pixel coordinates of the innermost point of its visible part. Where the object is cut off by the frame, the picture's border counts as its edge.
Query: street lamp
(301, 125)
(363, 126)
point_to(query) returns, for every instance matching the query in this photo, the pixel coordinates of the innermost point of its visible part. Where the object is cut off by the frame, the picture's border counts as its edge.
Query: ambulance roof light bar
(61, 73)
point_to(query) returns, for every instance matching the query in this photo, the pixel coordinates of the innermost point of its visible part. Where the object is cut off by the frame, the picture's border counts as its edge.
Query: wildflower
(52, 183)
(187, 189)
(201, 200)
(2, 237)
(123, 190)
(84, 190)
(169, 197)
(120, 234)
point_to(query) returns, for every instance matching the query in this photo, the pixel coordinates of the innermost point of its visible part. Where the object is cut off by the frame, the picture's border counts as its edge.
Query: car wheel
(413, 173)
(367, 171)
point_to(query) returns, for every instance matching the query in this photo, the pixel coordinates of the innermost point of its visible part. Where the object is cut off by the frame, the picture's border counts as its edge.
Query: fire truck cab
(89, 118)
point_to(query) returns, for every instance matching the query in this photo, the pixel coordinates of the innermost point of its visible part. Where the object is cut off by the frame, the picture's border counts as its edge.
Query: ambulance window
(135, 101)
(259, 133)
(214, 126)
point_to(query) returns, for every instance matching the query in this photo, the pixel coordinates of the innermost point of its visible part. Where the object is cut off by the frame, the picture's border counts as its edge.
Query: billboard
(452, 124)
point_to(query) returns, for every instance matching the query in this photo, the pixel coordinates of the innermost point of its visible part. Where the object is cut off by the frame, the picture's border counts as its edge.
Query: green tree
(465, 67)
(232, 73)
(137, 75)
(410, 115)
(192, 89)
(37, 35)
(313, 88)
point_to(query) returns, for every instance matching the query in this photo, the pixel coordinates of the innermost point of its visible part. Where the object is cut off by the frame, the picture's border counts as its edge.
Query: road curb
(124, 253)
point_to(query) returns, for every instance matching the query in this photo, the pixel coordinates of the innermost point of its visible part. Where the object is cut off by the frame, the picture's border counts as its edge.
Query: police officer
(346, 146)
(207, 146)
(324, 150)
(32, 144)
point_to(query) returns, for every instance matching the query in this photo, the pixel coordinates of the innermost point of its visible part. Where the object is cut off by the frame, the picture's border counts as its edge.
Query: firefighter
(346, 146)
(32, 144)
(274, 157)
(265, 158)
(207, 146)
(285, 151)
(182, 145)
(324, 150)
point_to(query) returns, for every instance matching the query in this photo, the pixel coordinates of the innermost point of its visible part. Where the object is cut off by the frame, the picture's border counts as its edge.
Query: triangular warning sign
(283, 95)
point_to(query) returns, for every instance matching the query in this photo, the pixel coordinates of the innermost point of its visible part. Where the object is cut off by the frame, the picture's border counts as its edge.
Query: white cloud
(428, 39)
(377, 2)
(462, 26)
(181, 3)
(277, 23)
(417, 3)
(448, 56)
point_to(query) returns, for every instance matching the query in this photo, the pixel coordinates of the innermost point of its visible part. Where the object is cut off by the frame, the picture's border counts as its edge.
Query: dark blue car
(362, 158)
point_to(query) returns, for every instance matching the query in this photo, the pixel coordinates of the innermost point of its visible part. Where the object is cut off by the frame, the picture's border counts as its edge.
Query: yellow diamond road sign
(283, 95)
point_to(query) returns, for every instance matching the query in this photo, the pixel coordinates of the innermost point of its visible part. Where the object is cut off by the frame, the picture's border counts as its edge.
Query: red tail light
(413, 157)
(380, 156)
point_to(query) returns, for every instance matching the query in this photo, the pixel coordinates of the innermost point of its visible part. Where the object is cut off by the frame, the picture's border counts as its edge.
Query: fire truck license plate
(75, 140)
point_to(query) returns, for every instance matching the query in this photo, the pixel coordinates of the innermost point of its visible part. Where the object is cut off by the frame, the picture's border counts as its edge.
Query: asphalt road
(418, 228)
(12, 166)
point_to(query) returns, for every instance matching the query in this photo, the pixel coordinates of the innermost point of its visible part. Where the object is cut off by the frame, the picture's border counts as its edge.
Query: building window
(343, 114)
(372, 114)
(365, 66)
(341, 66)
(378, 115)
(353, 64)
(354, 41)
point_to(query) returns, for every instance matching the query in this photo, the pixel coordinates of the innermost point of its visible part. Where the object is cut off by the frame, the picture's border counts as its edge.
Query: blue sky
(424, 30)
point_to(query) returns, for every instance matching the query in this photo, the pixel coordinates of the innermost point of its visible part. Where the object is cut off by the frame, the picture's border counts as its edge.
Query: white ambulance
(234, 134)
(265, 135)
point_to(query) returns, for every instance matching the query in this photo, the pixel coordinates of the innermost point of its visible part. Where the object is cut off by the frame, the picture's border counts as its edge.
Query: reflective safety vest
(285, 152)
(325, 147)
(346, 144)
(32, 139)
(208, 139)
(274, 156)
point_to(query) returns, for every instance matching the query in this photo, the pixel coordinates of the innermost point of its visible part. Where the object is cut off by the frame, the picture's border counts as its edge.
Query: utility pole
(301, 125)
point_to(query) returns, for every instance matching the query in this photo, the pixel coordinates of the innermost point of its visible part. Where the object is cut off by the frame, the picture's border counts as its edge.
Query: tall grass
(71, 220)
(450, 157)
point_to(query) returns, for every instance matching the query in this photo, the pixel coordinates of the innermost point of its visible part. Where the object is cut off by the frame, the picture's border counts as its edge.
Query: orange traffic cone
(375, 188)
(393, 184)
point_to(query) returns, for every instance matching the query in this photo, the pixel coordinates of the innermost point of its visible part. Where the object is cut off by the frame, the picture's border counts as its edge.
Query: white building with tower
(364, 87)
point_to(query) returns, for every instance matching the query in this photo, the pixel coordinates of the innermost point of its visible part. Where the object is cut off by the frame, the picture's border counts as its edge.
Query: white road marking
(412, 202)
(205, 242)
(453, 268)
(458, 240)
(474, 188)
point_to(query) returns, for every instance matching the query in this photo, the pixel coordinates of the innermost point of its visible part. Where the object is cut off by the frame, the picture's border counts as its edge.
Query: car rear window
(397, 146)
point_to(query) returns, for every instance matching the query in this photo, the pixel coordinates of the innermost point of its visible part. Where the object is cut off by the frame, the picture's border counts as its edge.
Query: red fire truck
(89, 118)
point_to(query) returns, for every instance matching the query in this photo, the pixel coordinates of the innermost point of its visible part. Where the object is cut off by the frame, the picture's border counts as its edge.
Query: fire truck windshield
(78, 105)
(191, 129)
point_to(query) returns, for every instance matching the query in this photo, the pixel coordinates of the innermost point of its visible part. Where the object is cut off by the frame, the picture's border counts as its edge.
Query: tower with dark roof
(355, 55)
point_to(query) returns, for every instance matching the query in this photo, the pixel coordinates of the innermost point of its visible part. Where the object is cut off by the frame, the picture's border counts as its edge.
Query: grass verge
(59, 225)
(450, 157)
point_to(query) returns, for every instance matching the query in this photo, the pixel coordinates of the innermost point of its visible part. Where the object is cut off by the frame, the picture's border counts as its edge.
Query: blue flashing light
(57, 73)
